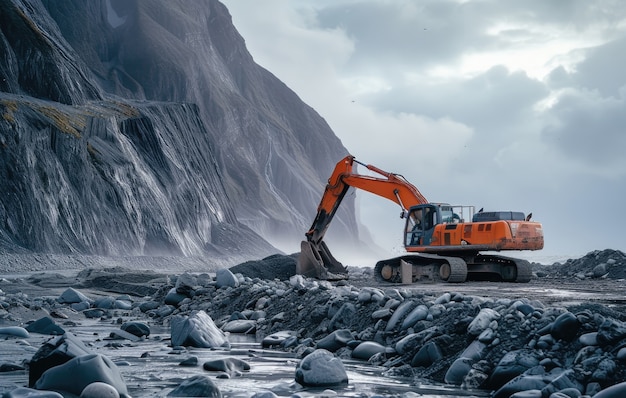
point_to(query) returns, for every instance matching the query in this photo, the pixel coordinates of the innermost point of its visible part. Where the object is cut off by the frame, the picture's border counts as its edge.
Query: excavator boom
(315, 259)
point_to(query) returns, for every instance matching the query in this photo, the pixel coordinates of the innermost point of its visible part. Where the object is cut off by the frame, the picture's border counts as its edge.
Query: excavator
(441, 244)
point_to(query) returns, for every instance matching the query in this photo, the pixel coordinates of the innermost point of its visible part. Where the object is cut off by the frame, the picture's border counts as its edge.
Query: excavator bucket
(316, 261)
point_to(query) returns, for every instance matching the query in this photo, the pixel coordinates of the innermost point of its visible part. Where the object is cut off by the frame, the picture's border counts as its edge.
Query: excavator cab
(423, 218)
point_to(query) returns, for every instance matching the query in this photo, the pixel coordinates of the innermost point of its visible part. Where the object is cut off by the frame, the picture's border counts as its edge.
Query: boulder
(196, 330)
(76, 374)
(366, 349)
(72, 296)
(53, 352)
(224, 278)
(45, 325)
(321, 369)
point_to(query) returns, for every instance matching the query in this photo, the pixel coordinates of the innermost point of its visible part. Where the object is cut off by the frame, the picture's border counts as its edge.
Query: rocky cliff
(146, 128)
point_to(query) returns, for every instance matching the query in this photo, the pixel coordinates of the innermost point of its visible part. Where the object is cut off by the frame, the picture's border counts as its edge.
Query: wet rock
(230, 366)
(427, 355)
(367, 349)
(278, 338)
(196, 386)
(54, 352)
(457, 372)
(615, 391)
(76, 374)
(196, 330)
(565, 327)
(45, 325)
(23, 392)
(14, 331)
(524, 382)
(335, 340)
(242, 326)
(419, 313)
(321, 369)
(511, 365)
(99, 390)
(139, 329)
(403, 310)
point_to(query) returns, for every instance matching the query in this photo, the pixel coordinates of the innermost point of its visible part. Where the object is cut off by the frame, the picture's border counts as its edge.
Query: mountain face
(133, 127)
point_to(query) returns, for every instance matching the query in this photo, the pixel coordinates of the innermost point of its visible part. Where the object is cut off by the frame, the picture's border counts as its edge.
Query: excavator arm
(315, 259)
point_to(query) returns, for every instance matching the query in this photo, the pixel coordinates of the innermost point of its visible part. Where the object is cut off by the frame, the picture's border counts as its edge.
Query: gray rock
(224, 278)
(611, 331)
(366, 349)
(99, 390)
(419, 313)
(403, 310)
(23, 392)
(173, 297)
(458, 370)
(600, 270)
(565, 327)
(615, 391)
(76, 374)
(321, 369)
(511, 365)
(242, 326)
(54, 352)
(427, 355)
(335, 340)
(231, 366)
(196, 386)
(482, 321)
(72, 296)
(139, 329)
(45, 325)
(276, 339)
(15, 331)
(196, 330)
(186, 284)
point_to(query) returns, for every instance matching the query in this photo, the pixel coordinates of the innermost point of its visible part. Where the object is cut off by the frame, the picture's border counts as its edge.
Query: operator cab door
(420, 225)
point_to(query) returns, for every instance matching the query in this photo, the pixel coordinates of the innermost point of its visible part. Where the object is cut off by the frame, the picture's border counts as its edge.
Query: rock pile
(596, 264)
(511, 347)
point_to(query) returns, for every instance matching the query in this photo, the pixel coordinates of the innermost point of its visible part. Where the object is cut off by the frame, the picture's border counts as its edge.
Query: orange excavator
(441, 244)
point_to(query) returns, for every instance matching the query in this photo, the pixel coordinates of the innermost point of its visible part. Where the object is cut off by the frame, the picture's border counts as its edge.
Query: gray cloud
(498, 103)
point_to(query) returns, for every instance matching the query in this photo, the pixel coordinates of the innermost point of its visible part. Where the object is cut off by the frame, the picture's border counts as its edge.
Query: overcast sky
(506, 105)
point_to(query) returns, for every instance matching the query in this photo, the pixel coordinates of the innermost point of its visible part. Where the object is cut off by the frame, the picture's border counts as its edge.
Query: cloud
(507, 105)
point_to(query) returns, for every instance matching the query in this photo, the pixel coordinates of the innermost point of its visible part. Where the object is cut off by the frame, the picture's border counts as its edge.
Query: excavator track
(434, 268)
(509, 269)
(420, 268)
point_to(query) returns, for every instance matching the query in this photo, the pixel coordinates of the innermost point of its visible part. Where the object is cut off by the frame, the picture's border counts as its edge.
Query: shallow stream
(158, 372)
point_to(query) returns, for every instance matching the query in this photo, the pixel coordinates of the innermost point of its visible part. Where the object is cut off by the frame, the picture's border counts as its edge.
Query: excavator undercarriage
(423, 267)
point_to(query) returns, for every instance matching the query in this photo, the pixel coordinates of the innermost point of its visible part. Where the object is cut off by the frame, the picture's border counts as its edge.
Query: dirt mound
(276, 266)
